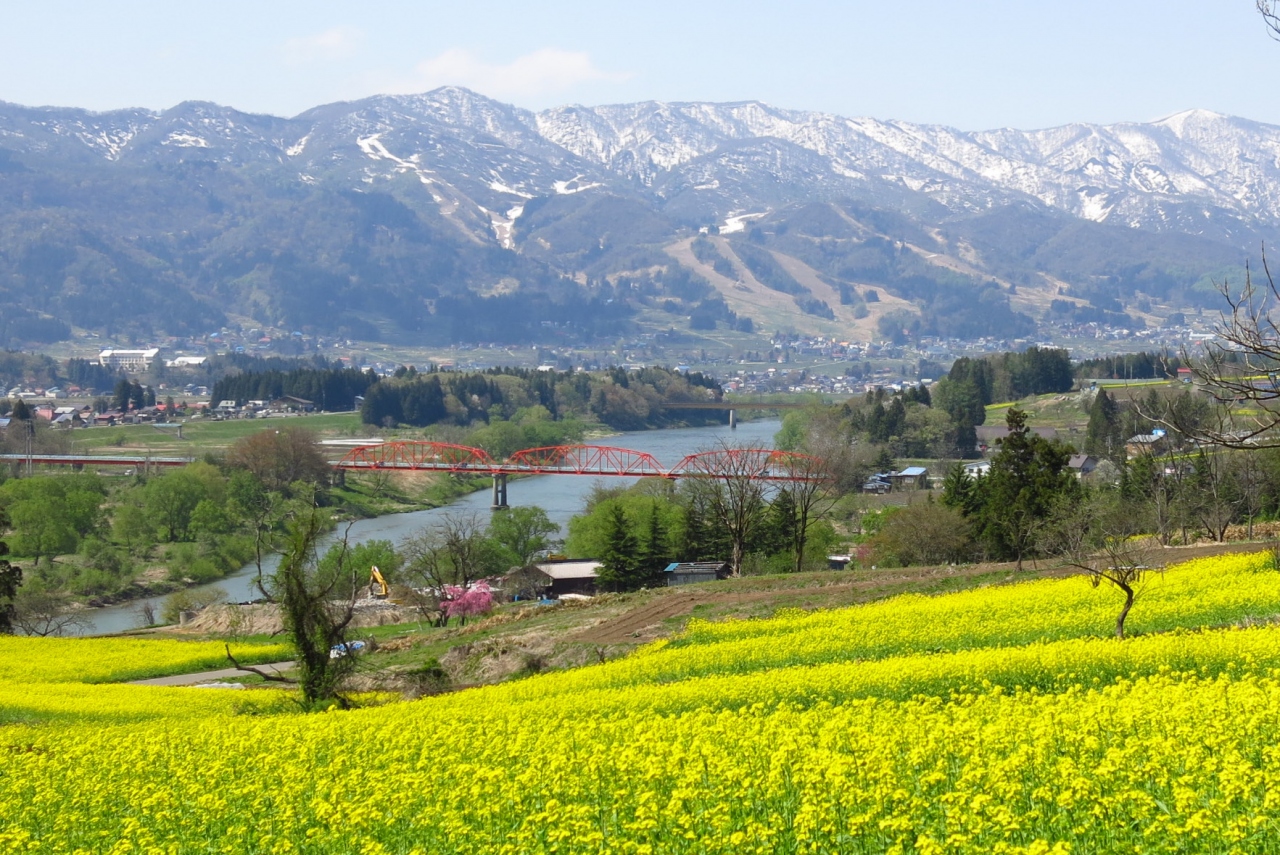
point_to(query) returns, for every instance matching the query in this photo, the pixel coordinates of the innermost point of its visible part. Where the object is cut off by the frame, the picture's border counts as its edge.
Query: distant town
(782, 362)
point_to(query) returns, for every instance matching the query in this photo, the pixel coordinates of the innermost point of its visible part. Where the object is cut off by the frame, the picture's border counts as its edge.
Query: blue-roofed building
(692, 572)
(913, 477)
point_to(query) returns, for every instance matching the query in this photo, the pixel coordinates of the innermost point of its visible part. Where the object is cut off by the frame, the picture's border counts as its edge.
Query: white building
(186, 361)
(129, 360)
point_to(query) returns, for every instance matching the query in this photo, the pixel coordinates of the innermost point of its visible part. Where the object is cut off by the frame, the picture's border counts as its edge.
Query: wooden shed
(572, 576)
(692, 572)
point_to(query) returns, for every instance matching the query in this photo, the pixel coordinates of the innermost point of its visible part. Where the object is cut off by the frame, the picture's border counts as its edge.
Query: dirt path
(208, 676)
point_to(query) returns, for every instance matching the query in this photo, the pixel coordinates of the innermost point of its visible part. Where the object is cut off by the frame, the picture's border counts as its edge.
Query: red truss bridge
(595, 460)
(763, 464)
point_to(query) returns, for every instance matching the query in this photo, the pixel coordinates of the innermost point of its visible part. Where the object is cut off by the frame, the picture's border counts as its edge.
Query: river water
(561, 496)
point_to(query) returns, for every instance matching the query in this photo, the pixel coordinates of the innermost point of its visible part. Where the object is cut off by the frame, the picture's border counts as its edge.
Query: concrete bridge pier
(733, 420)
(499, 491)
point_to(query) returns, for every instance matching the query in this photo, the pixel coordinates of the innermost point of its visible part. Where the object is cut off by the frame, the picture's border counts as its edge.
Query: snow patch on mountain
(498, 187)
(573, 185)
(738, 222)
(744, 156)
(181, 140)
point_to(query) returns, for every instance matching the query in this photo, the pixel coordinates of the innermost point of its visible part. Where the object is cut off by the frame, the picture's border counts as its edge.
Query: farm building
(910, 478)
(692, 572)
(569, 577)
(1082, 464)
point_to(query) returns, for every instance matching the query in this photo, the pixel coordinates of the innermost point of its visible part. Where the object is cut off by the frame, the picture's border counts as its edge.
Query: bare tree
(1251, 483)
(1270, 11)
(829, 469)
(45, 613)
(1239, 368)
(317, 606)
(1215, 493)
(1102, 538)
(454, 552)
(145, 612)
(727, 483)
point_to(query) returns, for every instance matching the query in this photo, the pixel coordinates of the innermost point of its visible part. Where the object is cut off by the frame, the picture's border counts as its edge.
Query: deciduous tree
(316, 613)
(455, 551)
(10, 581)
(1103, 538)
(41, 612)
(735, 496)
(523, 533)
(280, 458)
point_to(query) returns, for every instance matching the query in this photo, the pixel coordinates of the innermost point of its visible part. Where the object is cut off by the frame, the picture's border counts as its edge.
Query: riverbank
(560, 496)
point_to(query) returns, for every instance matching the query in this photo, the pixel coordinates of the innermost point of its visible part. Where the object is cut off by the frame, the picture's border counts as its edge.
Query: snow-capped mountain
(1171, 174)
(390, 207)
(1195, 171)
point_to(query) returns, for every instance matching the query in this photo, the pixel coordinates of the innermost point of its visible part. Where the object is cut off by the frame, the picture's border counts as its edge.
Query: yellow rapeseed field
(98, 660)
(997, 720)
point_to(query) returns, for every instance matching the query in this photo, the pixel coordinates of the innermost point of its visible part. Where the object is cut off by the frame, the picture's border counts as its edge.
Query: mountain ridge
(388, 213)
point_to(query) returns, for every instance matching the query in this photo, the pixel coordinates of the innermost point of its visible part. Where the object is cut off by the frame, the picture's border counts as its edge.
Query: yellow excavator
(377, 585)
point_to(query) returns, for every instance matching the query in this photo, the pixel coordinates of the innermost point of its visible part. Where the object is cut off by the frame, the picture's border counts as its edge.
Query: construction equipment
(378, 588)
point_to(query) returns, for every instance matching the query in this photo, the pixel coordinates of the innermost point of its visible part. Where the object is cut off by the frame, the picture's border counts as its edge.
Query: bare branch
(1270, 11)
(274, 677)
(1239, 370)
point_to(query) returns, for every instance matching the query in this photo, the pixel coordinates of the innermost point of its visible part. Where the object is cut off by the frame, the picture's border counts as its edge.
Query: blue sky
(972, 64)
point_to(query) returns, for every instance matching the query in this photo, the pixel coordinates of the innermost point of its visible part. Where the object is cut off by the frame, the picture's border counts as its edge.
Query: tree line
(621, 399)
(330, 389)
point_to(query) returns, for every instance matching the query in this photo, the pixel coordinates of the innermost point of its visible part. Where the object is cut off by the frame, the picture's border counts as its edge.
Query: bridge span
(764, 464)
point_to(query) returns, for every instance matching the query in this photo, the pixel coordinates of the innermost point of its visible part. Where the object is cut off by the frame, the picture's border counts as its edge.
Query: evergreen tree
(959, 491)
(655, 552)
(620, 565)
(779, 531)
(1103, 437)
(1029, 475)
(966, 438)
(20, 412)
(120, 396)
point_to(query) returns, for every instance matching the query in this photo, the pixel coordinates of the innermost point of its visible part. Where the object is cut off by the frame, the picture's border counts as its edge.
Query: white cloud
(544, 72)
(332, 44)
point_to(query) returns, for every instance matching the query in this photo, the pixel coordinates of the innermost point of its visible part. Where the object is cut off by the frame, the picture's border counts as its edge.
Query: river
(561, 496)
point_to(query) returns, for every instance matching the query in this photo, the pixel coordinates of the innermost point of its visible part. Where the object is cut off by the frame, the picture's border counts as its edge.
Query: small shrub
(429, 678)
(189, 601)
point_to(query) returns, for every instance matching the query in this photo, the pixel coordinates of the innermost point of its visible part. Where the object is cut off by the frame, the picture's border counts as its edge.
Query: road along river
(561, 496)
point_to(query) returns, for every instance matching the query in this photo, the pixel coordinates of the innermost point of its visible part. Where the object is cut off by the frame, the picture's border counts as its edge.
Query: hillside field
(1000, 718)
(993, 719)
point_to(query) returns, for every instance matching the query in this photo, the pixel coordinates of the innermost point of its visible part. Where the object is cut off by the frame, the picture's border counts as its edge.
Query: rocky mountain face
(450, 216)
